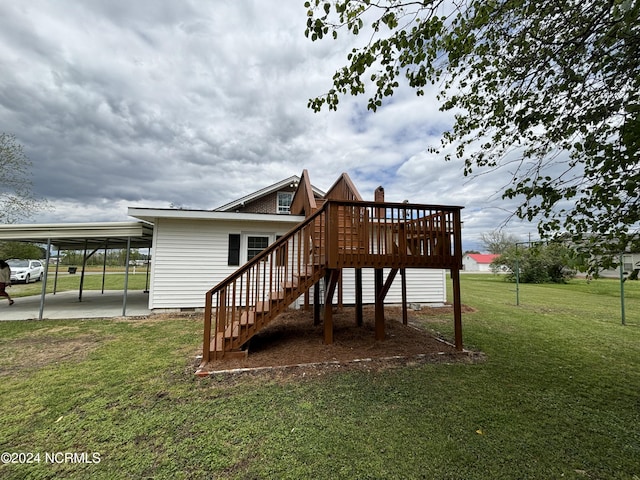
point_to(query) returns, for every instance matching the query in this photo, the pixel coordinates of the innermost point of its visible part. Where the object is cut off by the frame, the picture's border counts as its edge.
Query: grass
(558, 397)
(92, 281)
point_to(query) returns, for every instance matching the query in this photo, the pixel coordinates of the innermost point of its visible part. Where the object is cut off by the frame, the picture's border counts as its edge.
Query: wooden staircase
(341, 231)
(248, 300)
(253, 319)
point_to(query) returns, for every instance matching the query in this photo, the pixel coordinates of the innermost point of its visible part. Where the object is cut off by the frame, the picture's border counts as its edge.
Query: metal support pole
(146, 285)
(55, 278)
(84, 265)
(517, 278)
(622, 279)
(44, 280)
(104, 263)
(126, 279)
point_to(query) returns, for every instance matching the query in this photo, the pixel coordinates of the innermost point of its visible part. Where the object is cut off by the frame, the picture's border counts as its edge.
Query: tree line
(554, 261)
(114, 258)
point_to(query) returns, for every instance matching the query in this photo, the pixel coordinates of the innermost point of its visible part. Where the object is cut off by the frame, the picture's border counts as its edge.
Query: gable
(265, 204)
(266, 199)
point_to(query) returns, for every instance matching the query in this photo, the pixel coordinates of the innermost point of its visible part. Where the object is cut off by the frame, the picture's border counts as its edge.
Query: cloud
(152, 103)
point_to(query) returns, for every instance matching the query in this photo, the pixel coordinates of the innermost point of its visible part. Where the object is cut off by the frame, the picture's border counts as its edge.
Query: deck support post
(403, 274)
(331, 280)
(455, 279)
(382, 288)
(340, 292)
(379, 305)
(457, 309)
(306, 300)
(359, 315)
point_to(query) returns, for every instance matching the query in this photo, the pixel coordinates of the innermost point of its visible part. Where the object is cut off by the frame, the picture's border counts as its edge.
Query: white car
(26, 270)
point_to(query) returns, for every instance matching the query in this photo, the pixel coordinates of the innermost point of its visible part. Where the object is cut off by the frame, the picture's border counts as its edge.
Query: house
(478, 262)
(629, 264)
(193, 250)
(340, 234)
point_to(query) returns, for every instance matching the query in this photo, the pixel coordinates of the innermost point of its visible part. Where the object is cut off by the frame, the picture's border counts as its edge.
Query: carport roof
(75, 236)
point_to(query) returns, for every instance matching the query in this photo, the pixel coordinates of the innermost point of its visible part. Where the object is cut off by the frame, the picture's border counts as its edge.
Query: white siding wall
(190, 257)
(423, 286)
(469, 264)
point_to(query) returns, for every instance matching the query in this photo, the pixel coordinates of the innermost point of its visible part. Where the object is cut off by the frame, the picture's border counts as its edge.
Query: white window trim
(244, 243)
(288, 210)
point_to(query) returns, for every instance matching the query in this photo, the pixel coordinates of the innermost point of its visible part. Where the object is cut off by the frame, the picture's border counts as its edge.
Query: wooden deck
(337, 234)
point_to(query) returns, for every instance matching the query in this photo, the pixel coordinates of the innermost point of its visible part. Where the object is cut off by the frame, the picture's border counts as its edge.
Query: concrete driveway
(64, 305)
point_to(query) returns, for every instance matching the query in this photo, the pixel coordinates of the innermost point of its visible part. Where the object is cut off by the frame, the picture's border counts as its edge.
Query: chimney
(378, 197)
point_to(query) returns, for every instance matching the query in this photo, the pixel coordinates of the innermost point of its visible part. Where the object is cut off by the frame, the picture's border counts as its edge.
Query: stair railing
(265, 286)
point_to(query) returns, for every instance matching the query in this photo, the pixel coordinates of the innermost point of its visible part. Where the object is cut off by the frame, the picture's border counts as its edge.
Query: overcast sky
(153, 103)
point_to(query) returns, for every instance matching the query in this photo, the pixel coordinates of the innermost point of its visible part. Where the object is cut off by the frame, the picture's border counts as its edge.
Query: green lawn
(92, 281)
(558, 397)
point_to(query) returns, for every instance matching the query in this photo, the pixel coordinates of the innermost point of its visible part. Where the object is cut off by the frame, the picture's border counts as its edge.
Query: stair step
(219, 347)
(248, 318)
(308, 271)
(232, 331)
(276, 295)
(263, 307)
(292, 285)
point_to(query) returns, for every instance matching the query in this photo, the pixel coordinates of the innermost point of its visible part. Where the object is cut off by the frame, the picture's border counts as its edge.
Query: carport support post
(44, 279)
(104, 262)
(126, 278)
(84, 264)
(146, 285)
(55, 278)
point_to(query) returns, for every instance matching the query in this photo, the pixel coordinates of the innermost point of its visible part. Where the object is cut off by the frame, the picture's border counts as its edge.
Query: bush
(540, 263)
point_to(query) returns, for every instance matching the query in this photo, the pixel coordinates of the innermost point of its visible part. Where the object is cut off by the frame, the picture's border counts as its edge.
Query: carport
(87, 237)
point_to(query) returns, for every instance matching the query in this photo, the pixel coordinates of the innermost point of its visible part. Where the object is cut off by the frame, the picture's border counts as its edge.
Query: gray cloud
(152, 103)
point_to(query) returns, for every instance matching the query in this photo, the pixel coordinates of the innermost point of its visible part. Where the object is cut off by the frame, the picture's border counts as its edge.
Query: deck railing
(342, 234)
(394, 235)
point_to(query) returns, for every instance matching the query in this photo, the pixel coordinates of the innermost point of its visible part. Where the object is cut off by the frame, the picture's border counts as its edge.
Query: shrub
(539, 263)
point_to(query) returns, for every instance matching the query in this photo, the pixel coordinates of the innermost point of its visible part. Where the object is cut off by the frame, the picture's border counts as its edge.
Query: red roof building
(478, 262)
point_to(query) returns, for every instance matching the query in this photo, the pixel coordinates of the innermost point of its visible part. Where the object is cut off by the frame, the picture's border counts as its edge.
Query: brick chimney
(378, 197)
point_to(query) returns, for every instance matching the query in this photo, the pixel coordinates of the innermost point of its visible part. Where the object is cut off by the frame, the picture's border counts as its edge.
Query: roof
(75, 236)
(484, 258)
(287, 182)
(151, 214)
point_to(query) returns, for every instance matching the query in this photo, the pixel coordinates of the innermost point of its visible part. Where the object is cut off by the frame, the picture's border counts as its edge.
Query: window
(234, 250)
(284, 201)
(255, 245)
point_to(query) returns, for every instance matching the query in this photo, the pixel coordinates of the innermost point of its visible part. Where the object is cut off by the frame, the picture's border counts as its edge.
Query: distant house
(194, 250)
(478, 262)
(630, 263)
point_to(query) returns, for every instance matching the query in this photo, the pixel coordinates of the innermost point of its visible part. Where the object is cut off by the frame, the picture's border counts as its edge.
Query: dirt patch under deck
(292, 342)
